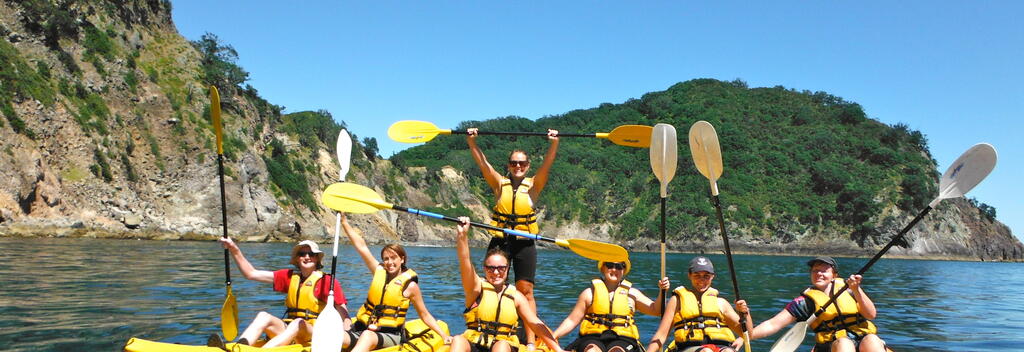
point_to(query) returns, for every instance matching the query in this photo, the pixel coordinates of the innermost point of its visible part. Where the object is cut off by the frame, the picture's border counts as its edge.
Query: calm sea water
(92, 295)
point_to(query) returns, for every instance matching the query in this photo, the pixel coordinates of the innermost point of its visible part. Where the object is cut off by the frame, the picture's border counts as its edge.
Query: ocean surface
(93, 295)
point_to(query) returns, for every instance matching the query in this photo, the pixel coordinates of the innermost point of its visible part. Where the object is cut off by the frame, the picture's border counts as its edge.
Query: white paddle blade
(788, 342)
(327, 335)
(664, 154)
(967, 171)
(706, 152)
(344, 153)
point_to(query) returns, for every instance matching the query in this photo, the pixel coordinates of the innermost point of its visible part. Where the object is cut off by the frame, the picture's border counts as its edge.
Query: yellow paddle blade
(229, 316)
(637, 136)
(352, 198)
(595, 250)
(412, 131)
(215, 113)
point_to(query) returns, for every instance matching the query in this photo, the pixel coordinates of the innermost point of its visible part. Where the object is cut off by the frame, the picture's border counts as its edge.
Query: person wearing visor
(515, 198)
(394, 288)
(493, 307)
(604, 311)
(703, 321)
(306, 287)
(846, 324)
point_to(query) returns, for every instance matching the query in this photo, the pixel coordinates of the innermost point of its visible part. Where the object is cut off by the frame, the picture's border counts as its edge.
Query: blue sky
(952, 70)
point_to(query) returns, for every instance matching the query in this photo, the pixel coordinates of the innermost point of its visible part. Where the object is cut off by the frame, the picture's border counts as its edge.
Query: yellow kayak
(421, 339)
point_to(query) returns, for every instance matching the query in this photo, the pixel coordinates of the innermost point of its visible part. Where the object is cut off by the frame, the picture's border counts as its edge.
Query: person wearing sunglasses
(604, 311)
(703, 321)
(493, 307)
(394, 288)
(515, 196)
(306, 287)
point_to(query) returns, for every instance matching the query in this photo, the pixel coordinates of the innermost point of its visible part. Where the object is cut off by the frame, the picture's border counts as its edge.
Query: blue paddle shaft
(489, 227)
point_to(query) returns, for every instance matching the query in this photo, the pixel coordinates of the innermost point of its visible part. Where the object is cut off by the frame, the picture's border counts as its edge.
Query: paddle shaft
(728, 255)
(877, 256)
(662, 291)
(224, 217)
(489, 227)
(494, 133)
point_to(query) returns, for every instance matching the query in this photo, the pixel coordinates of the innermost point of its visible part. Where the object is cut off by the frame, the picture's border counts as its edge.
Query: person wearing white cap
(847, 329)
(307, 290)
(394, 288)
(703, 321)
(604, 311)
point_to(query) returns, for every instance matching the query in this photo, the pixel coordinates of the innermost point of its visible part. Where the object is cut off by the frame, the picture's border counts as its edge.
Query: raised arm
(864, 303)
(530, 320)
(658, 339)
(470, 281)
(647, 306)
(492, 176)
(359, 244)
(248, 271)
(413, 292)
(576, 315)
(541, 178)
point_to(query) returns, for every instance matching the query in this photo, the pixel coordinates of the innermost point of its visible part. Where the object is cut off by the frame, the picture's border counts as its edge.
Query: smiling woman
(307, 290)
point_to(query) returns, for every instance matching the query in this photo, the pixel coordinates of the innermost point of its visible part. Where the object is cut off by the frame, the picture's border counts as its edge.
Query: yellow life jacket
(385, 304)
(841, 318)
(615, 314)
(493, 318)
(514, 209)
(301, 302)
(698, 320)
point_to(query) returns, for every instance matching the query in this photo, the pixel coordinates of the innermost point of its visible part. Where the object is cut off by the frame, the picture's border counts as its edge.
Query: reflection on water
(92, 295)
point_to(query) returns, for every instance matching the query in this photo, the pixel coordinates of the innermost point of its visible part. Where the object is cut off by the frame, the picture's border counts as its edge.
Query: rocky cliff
(106, 133)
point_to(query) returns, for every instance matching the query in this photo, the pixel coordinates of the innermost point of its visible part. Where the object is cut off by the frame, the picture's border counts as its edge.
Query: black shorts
(523, 253)
(605, 342)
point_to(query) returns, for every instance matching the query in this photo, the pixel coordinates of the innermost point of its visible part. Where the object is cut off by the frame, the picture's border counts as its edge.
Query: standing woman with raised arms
(515, 197)
(394, 286)
(493, 309)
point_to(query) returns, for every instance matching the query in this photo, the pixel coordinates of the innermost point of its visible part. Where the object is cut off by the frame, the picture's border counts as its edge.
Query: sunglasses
(616, 266)
(304, 254)
(519, 163)
(498, 268)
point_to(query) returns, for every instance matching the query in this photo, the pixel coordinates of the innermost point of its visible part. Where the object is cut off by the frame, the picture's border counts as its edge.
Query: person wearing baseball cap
(847, 329)
(703, 321)
(604, 312)
(306, 287)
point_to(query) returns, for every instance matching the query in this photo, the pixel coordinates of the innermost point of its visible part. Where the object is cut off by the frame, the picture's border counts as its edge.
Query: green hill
(794, 161)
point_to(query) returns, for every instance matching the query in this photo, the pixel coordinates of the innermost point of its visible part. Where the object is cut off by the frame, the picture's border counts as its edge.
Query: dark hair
(398, 250)
(497, 251)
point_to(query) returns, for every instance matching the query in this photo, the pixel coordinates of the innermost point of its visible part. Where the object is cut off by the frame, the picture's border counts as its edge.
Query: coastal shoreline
(838, 250)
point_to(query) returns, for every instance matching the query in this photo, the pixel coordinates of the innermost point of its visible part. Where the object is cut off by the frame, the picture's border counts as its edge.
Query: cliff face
(105, 132)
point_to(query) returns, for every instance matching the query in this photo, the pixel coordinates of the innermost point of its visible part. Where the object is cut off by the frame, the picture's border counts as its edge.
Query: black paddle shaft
(449, 218)
(224, 217)
(728, 254)
(662, 291)
(877, 256)
(493, 133)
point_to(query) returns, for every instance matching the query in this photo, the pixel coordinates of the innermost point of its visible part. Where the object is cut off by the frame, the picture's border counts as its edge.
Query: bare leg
(288, 335)
(843, 344)
(263, 322)
(367, 341)
(460, 344)
(594, 348)
(872, 343)
(501, 346)
(526, 288)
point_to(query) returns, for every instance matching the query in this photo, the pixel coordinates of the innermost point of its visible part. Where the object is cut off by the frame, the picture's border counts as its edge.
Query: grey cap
(699, 264)
(823, 259)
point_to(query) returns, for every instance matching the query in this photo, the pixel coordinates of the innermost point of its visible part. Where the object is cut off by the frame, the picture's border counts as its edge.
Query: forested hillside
(798, 164)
